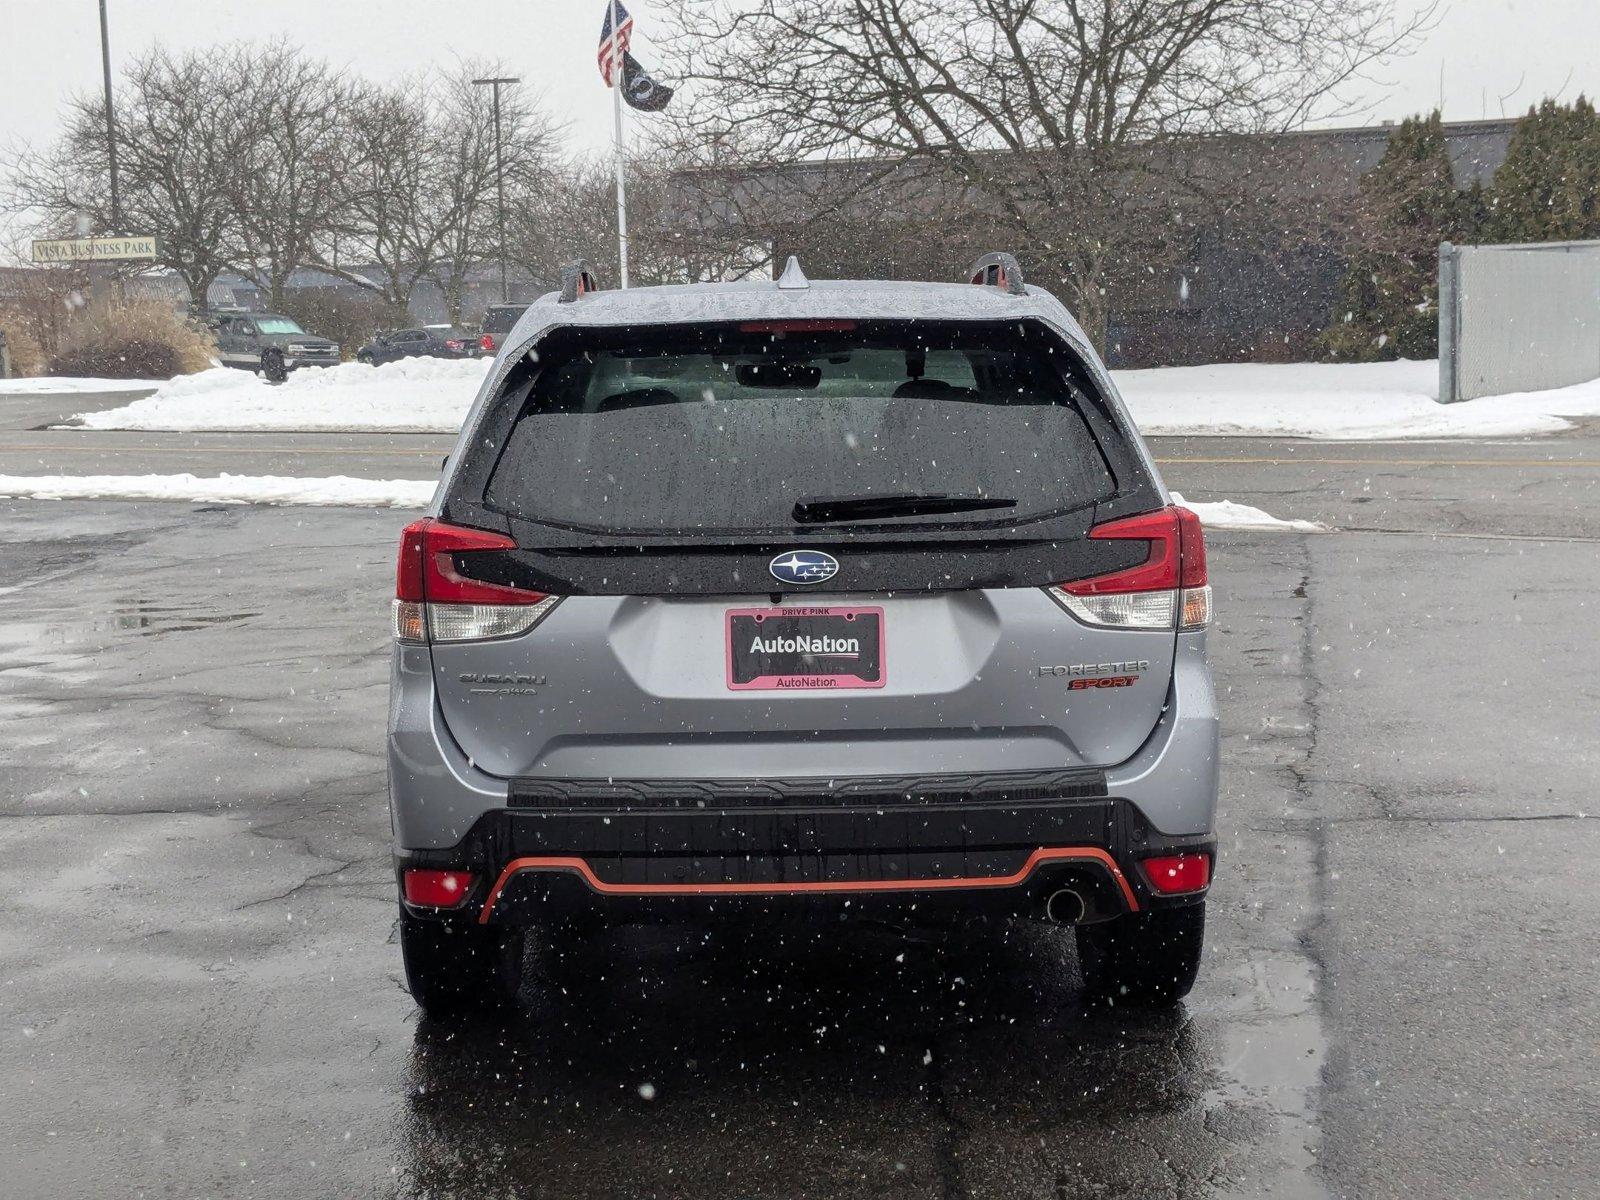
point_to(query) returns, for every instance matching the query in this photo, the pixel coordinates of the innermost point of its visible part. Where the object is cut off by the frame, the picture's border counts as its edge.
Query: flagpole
(616, 116)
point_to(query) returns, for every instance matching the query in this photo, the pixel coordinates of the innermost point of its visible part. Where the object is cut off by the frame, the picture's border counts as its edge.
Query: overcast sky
(50, 48)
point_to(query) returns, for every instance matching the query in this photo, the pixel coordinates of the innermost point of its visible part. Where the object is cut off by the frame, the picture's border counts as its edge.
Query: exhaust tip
(1065, 907)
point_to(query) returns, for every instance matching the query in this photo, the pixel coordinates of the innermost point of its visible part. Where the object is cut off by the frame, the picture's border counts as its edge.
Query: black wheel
(365, 360)
(455, 969)
(273, 366)
(1143, 959)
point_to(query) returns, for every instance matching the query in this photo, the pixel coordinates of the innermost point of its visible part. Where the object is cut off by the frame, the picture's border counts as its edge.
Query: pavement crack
(952, 1133)
(1470, 535)
(1305, 826)
(1310, 937)
(309, 881)
(55, 815)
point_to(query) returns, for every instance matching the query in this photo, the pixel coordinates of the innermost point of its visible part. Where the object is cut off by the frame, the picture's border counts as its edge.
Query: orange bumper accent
(582, 869)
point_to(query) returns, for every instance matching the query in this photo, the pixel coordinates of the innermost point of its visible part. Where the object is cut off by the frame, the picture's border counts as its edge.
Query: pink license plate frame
(800, 681)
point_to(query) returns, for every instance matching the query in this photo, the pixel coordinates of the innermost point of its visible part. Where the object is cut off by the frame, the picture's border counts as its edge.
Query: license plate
(805, 649)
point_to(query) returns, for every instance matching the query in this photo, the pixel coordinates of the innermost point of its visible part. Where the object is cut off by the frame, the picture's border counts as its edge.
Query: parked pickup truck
(268, 343)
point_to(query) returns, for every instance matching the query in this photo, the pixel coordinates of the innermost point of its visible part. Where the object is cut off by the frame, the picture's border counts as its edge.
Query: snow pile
(404, 493)
(224, 489)
(1227, 514)
(1315, 400)
(56, 385)
(414, 395)
(1357, 401)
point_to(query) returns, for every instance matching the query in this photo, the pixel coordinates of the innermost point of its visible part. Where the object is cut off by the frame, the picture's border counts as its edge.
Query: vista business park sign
(95, 249)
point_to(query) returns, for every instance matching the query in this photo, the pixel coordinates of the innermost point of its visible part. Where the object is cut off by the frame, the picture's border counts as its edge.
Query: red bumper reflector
(1179, 873)
(437, 889)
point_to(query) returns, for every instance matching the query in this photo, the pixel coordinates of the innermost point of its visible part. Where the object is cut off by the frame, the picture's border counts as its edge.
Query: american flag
(608, 56)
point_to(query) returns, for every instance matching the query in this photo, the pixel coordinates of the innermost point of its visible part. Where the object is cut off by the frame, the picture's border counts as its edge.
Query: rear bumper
(437, 795)
(998, 843)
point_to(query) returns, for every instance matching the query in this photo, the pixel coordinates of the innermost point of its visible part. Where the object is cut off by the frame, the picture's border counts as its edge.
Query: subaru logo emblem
(803, 566)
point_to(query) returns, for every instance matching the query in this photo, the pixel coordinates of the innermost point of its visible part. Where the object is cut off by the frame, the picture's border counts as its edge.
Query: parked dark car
(498, 322)
(269, 343)
(434, 341)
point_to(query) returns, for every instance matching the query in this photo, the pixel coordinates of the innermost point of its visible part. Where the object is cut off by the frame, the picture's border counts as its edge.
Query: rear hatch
(801, 548)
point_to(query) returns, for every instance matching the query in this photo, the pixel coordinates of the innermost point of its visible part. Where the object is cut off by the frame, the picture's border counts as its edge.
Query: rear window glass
(744, 429)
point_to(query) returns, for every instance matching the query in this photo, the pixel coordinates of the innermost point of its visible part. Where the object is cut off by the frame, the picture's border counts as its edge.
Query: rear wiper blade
(819, 510)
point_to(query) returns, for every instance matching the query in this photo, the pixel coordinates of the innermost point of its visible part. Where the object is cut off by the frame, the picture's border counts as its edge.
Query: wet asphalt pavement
(202, 995)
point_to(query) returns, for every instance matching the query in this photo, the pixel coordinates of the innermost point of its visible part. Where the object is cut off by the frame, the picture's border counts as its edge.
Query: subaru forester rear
(776, 599)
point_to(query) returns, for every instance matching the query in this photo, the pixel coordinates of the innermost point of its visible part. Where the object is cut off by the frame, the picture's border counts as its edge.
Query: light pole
(499, 177)
(111, 120)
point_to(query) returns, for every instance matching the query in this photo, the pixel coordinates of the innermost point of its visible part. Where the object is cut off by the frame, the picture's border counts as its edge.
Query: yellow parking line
(1396, 462)
(346, 451)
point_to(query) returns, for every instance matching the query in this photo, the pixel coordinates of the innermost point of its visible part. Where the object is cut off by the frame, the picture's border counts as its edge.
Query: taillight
(435, 602)
(455, 344)
(1168, 587)
(1177, 874)
(798, 325)
(437, 889)
(486, 343)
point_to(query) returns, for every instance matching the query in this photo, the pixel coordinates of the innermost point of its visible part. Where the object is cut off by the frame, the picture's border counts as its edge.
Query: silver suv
(787, 599)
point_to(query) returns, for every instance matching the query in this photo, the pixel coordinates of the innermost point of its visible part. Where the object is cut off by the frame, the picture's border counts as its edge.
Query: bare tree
(464, 170)
(179, 143)
(287, 193)
(387, 215)
(677, 233)
(1045, 115)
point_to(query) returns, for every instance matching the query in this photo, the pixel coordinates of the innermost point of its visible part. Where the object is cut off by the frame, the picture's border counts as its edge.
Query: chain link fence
(1518, 318)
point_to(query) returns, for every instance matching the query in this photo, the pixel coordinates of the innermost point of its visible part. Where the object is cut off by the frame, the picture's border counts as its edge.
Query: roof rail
(577, 279)
(1000, 270)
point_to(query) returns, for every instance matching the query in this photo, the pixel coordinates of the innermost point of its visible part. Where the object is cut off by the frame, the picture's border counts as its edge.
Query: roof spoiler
(999, 270)
(577, 279)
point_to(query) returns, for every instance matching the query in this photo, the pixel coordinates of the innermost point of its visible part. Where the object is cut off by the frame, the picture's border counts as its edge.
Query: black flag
(639, 90)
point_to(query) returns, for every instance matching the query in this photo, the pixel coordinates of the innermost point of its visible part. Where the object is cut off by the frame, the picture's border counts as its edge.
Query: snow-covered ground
(224, 489)
(1363, 401)
(415, 395)
(56, 385)
(1331, 401)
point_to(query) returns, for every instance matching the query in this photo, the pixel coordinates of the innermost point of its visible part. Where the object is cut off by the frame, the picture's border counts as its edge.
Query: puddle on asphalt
(885, 1054)
(70, 628)
(149, 620)
(1270, 1053)
(64, 645)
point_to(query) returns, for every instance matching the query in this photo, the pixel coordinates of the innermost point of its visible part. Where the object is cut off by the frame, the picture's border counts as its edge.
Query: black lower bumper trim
(633, 843)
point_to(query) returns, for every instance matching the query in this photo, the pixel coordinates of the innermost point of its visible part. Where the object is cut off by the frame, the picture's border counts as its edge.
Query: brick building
(1258, 286)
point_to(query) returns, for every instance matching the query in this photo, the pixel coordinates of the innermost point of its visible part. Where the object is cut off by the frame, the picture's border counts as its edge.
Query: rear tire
(453, 969)
(1145, 960)
(273, 366)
